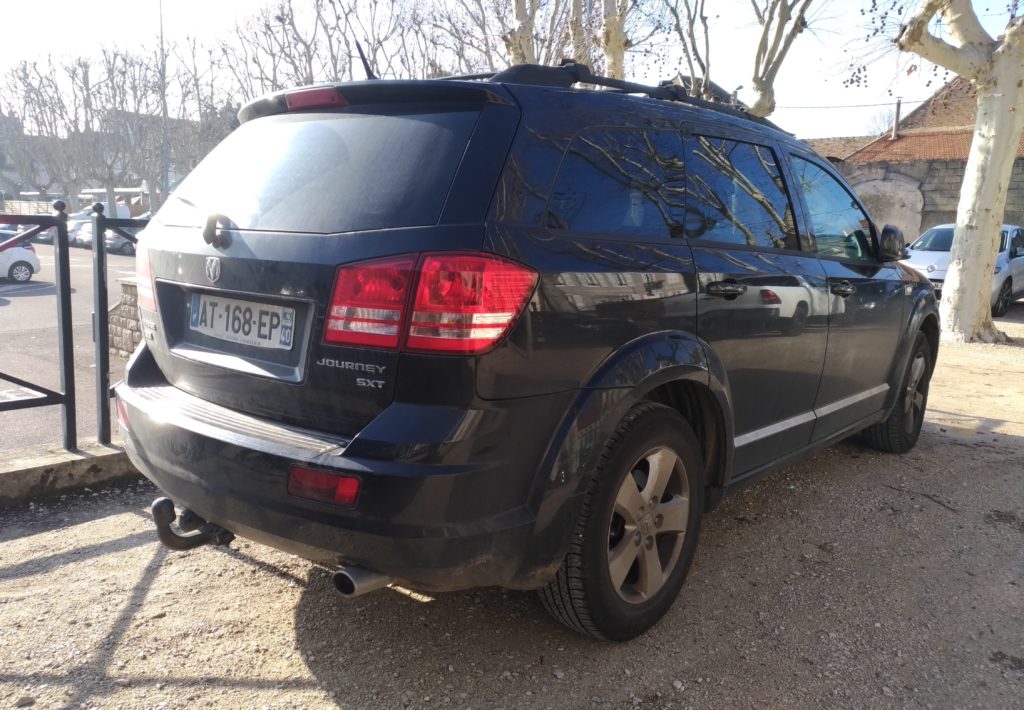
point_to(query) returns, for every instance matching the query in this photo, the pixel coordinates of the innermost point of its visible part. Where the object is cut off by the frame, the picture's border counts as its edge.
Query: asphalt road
(28, 347)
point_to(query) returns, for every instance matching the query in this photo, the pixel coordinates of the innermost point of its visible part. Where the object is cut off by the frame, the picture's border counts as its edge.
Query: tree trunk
(71, 190)
(764, 101)
(577, 33)
(519, 40)
(110, 209)
(966, 295)
(614, 41)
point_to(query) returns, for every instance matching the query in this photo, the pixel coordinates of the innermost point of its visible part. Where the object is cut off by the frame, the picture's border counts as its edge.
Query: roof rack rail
(570, 72)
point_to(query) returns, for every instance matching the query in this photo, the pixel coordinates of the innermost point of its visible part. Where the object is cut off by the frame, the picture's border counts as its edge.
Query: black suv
(456, 333)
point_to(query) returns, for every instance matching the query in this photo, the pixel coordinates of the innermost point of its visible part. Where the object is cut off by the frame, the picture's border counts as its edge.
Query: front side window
(620, 181)
(840, 227)
(735, 194)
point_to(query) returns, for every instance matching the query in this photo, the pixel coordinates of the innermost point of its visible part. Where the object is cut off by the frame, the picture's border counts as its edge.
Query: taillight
(769, 297)
(320, 97)
(144, 278)
(466, 303)
(122, 412)
(463, 303)
(323, 486)
(368, 303)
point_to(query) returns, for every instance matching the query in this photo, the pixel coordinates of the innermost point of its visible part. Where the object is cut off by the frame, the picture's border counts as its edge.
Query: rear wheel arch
(697, 404)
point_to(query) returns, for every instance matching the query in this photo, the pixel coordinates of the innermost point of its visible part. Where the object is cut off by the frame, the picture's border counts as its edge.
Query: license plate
(245, 322)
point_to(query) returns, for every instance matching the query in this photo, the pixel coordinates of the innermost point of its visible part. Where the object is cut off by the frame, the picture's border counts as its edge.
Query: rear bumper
(444, 514)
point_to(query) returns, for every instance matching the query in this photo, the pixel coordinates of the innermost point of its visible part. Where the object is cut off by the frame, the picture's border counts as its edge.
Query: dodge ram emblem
(213, 269)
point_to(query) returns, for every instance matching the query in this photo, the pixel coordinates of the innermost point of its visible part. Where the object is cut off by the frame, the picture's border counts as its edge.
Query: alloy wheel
(913, 398)
(648, 524)
(21, 273)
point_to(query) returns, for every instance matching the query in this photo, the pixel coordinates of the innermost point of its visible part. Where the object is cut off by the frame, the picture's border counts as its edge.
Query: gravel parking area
(854, 579)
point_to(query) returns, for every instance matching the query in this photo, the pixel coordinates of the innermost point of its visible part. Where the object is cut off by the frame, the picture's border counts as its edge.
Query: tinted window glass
(735, 193)
(840, 227)
(320, 172)
(621, 181)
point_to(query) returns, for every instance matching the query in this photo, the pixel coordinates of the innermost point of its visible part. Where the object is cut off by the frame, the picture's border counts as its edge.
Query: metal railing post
(100, 328)
(65, 337)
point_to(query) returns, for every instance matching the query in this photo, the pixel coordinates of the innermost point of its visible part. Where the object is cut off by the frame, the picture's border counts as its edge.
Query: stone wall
(124, 321)
(919, 195)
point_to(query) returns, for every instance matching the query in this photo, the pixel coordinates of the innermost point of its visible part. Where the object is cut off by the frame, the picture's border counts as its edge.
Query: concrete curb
(39, 475)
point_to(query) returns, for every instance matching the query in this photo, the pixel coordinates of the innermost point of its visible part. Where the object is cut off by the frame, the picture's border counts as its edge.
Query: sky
(812, 101)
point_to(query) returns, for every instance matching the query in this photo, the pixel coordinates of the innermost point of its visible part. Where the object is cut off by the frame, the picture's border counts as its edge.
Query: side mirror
(1018, 252)
(893, 246)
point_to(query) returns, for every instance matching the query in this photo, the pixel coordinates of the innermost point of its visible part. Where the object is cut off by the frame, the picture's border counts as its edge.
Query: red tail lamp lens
(368, 303)
(321, 97)
(769, 297)
(323, 486)
(466, 303)
(122, 412)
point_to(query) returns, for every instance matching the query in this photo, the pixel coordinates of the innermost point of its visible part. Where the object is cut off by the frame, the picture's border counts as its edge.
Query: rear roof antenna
(366, 64)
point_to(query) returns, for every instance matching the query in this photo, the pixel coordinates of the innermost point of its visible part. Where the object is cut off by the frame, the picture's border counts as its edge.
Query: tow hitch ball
(203, 533)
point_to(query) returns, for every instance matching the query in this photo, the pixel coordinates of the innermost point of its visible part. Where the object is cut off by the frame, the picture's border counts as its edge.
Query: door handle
(725, 289)
(843, 288)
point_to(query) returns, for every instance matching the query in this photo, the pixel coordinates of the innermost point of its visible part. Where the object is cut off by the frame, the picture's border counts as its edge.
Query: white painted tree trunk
(966, 295)
(613, 40)
(577, 32)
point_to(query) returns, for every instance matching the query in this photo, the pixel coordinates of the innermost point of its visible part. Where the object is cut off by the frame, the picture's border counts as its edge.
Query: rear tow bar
(204, 533)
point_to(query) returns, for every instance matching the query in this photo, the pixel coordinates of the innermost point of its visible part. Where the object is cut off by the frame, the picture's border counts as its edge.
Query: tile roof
(954, 104)
(840, 148)
(950, 143)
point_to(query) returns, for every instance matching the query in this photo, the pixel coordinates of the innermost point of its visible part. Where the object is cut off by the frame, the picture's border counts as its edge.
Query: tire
(128, 249)
(20, 272)
(899, 432)
(620, 575)
(797, 323)
(1003, 300)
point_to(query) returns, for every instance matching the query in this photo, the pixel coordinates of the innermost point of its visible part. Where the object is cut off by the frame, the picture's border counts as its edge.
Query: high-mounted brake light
(368, 303)
(464, 303)
(144, 278)
(321, 97)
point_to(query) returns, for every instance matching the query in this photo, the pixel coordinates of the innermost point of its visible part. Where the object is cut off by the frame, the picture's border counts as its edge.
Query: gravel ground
(854, 579)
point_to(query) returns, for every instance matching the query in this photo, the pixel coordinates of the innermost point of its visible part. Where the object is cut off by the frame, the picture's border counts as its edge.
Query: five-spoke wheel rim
(648, 525)
(913, 399)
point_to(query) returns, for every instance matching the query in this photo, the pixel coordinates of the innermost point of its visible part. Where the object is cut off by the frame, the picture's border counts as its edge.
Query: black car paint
(473, 468)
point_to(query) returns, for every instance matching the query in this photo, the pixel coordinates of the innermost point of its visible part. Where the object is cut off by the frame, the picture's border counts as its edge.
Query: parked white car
(929, 254)
(18, 263)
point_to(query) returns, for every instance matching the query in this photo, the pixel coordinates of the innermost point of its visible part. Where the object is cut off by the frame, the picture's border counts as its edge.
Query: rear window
(327, 172)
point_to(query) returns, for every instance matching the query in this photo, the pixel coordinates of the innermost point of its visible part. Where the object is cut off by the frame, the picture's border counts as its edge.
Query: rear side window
(327, 172)
(736, 194)
(627, 182)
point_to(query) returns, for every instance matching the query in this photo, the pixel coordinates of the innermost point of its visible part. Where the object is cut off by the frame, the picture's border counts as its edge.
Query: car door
(1017, 261)
(866, 300)
(762, 301)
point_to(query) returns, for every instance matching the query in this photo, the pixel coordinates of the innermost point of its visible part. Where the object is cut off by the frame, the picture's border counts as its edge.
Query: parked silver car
(929, 254)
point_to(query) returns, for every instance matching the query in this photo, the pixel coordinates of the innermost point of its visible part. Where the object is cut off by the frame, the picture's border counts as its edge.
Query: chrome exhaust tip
(356, 581)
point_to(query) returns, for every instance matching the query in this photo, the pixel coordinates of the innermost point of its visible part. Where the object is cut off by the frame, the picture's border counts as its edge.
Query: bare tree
(781, 21)
(995, 67)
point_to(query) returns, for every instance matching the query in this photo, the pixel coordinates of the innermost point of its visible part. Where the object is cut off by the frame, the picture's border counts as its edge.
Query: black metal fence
(66, 397)
(65, 340)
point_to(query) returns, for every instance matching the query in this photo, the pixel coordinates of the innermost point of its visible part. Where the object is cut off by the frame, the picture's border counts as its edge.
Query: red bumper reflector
(323, 486)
